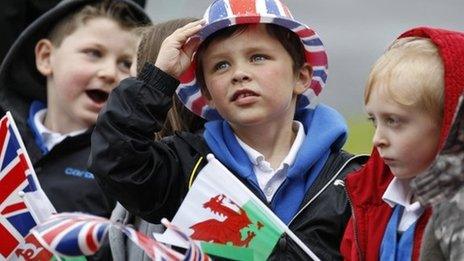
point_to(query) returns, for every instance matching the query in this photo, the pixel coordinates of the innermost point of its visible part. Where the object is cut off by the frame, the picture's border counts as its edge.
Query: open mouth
(98, 96)
(242, 94)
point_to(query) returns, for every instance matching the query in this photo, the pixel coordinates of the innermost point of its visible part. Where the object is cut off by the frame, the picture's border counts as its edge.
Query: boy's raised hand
(177, 49)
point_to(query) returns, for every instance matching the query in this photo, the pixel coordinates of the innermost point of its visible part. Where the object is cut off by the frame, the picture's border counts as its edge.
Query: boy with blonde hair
(254, 76)
(56, 78)
(410, 96)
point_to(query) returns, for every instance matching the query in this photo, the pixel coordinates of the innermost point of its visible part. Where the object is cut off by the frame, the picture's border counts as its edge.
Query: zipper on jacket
(356, 239)
(323, 188)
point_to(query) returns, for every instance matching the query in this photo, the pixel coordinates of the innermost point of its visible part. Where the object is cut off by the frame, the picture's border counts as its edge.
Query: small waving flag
(151, 247)
(32, 250)
(77, 234)
(72, 234)
(226, 219)
(23, 204)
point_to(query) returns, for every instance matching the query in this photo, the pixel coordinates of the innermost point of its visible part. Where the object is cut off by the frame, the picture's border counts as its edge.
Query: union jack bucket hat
(226, 13)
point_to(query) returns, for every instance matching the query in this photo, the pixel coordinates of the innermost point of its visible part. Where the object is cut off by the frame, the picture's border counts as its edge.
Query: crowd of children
(113, 113)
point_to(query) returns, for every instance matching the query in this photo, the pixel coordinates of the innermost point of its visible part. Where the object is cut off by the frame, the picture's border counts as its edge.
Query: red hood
(451, 47)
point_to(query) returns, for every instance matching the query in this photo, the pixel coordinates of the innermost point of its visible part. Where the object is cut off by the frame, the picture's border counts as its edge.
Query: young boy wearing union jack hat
(253, 72)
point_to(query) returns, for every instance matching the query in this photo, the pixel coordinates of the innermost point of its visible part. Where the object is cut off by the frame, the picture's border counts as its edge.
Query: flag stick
(301, 244)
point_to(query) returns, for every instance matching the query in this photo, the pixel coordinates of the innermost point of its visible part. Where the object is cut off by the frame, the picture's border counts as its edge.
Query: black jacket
(62, 172)
(64, 177)
(151, 178)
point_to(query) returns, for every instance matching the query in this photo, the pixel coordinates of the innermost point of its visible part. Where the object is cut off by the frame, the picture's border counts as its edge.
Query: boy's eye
(93, 53)
(391, 121)
(372, 120)
(258, 58)
(125, 65)
(221, 66)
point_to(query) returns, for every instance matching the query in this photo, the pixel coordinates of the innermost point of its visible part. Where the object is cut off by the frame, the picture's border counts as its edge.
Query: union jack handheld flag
(19, 190)
(152, 248)
(76, 234)
(72, 234)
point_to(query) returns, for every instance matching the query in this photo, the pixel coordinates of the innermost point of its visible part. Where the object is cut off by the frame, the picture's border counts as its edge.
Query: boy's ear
(43, 51)
(304, 77)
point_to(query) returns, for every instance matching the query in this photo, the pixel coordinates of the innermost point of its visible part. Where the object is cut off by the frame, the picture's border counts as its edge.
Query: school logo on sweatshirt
(78, 173)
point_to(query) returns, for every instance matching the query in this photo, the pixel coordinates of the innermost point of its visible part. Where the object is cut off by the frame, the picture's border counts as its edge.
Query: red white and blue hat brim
(315, 54)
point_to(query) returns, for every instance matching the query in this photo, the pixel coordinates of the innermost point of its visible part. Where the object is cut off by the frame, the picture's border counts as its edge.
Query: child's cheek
(216, 85)
(76, 83)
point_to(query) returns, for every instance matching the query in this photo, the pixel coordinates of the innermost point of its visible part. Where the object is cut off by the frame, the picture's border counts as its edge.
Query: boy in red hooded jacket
(410, 96)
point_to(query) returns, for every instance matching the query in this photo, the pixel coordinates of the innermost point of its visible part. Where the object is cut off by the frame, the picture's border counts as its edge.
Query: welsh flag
(226, 219)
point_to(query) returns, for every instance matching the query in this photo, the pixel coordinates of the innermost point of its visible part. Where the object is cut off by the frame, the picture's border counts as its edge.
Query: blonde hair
(411, 72)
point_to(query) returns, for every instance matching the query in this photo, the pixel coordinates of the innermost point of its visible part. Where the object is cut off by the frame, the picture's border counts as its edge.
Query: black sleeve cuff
(157, 78)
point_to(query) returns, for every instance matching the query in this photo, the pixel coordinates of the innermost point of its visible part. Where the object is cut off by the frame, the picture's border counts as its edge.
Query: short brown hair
(411, 72)
(289, 40)
(117, 11)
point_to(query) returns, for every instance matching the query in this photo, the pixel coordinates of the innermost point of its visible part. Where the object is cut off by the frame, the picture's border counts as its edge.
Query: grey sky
(355, 33)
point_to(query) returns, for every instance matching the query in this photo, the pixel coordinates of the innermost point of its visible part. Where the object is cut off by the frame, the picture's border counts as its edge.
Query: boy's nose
(379, 139)
(108, 72)
(240, 76)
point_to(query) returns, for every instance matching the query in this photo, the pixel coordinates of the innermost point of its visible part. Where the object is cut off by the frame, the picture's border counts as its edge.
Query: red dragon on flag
(228, 230)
